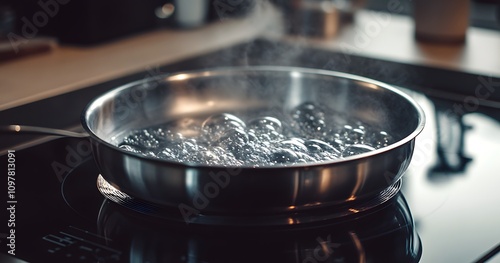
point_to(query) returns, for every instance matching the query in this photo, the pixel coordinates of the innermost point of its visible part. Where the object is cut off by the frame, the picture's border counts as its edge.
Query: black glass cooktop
(448, 208)
(61, 217)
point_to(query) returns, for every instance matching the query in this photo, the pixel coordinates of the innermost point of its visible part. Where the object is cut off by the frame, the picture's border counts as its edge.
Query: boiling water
(309, 133)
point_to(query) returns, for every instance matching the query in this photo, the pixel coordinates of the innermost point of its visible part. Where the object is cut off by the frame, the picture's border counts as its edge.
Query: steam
(276, 45)
(265, 20)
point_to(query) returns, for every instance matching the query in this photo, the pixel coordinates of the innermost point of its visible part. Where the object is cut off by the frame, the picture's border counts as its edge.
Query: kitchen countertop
(68, 68)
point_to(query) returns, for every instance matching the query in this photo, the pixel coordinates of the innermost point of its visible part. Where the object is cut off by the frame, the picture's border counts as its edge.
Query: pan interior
(159, 100)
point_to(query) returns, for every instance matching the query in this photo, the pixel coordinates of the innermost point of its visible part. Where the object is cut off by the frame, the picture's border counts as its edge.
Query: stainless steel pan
(219, 190)
(212, 189)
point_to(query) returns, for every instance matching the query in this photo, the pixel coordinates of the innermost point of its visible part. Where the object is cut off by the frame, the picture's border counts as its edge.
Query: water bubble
(380, 139)
(233, 136)
(166, 154)
(294, 145)
(234, 140)
(173, 137)
(281, 156)
(356, 149)
(265, 125)
(305, 158)
(142, 139)
(345, 131)
(276, 136)
(130, 148)
(252, 137)
(315, 146)
(230, 160)
(219, 150)
(309, 118)
(190, 145)
(158, 134)
(325, 156)
(177, 148)
(335, 140)
(357, 135)
(308, 109)
(299, 140)
(209, 157)
(216, 125)
(338, 144)
(350, 135)
(261, 150)
(150, 154)
(321, 151)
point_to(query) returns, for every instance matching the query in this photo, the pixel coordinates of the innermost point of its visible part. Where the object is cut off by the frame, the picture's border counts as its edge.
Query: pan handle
(25, 129)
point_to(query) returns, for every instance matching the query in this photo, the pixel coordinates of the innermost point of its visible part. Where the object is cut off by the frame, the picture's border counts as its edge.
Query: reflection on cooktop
(387, 235)
(382, 234)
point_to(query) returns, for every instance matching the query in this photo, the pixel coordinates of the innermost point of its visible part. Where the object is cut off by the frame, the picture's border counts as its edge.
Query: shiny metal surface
(209, 189)
(248, 220)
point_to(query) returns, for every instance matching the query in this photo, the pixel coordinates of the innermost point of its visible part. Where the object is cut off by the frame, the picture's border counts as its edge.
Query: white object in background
(191, 13)
(441, 20)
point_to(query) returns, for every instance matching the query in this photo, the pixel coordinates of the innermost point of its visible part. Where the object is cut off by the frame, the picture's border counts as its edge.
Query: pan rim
(94, 103)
